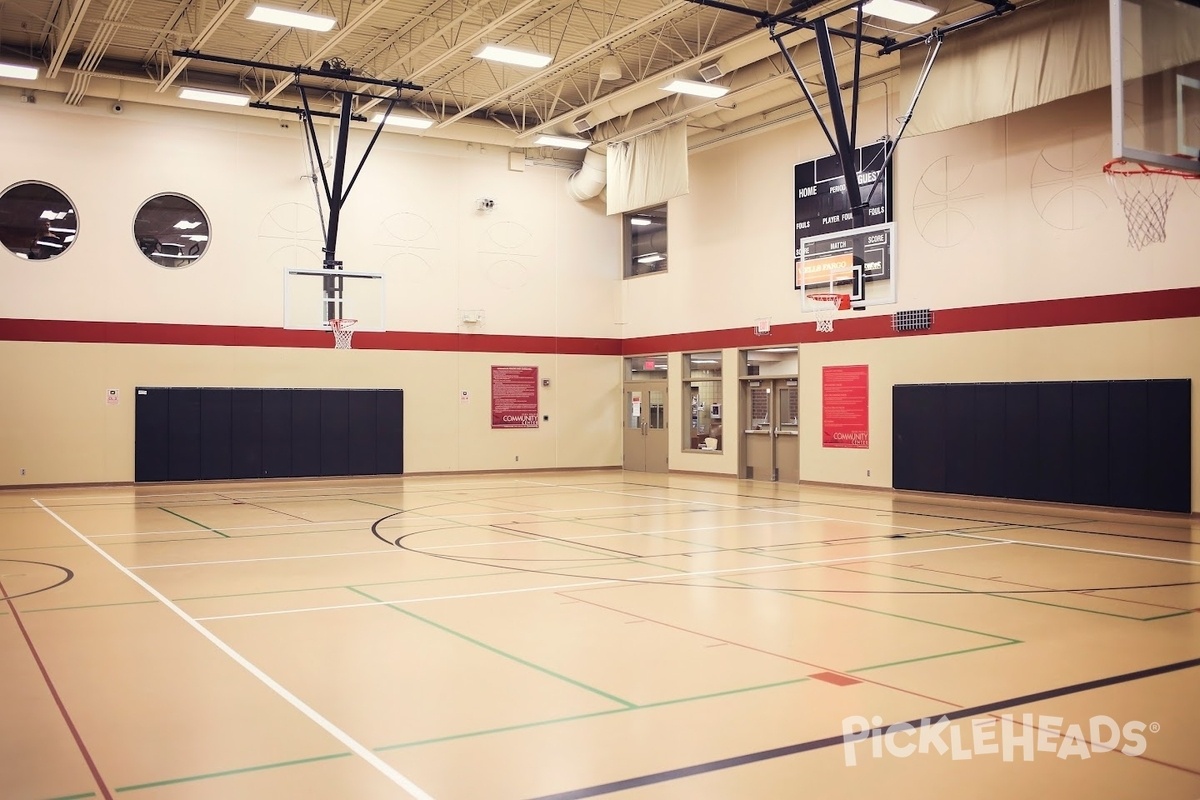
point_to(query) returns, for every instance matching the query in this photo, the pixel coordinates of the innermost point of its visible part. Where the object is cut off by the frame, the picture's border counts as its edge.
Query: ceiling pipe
(591, 177)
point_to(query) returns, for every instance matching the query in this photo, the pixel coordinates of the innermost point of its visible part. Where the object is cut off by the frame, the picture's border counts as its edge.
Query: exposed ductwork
(589, 180)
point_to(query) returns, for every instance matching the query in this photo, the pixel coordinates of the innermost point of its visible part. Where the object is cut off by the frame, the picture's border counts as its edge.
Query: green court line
(96, 605)
(268, 591)
(999, 595)
(185, 519)
(495, 650)
(935, 656)
(1167, 616)
(798, 593)
(575, 717)
(225, 773)
(75, 796)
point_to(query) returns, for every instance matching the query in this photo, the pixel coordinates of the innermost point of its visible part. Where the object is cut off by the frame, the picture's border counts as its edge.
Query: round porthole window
(37, 221)
(171, 230)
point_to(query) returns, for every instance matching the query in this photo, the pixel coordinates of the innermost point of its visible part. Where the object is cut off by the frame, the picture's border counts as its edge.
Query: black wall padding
(277, 433)
(335, 429)
(306, 432)
(1054, 439)
(360, 432)
(1089, 444)
(989, 438)
(919, 450)
(246, 433)
(183, 435)
(389, 431)
(186, 434)
(1125, 444)
(962, 473)
(151, 434)
(1169, 441)
(1128, 432)
(1020, 441)
(216, 434)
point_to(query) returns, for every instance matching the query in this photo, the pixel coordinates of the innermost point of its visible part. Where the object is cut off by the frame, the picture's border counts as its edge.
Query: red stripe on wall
(1165, 304)
(48, 330)
(1138, 306)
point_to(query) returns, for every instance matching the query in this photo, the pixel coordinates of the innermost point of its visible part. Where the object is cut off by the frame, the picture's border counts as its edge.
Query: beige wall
(59, 428)
(1007, 210)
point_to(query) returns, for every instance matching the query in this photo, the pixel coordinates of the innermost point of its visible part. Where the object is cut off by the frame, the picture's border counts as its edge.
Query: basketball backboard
(860, 263)
(1155, 50)
(311, 297)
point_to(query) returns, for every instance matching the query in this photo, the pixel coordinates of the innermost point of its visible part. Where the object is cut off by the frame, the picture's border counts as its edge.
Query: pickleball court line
(352, 744)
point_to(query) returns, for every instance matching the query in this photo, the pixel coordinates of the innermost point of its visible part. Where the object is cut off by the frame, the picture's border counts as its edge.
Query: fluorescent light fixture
(184, 225)
(905, 11)
(705, 361)
(650, 259)
(403, 121)
(50, 244)
(173, 255)
(195, 237)
(292, 19)
(507, 55)
(61, 230)
(16, 71)
(52, 215)
(776, 350)
(640, 221)
(69, 239)
(206, 96)
(562, 141)
(695, 87)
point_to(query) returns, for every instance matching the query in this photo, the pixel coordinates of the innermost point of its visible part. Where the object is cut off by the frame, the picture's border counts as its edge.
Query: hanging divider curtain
(648, 170)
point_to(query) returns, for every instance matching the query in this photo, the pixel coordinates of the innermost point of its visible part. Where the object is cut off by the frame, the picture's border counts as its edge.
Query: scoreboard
(820, 196)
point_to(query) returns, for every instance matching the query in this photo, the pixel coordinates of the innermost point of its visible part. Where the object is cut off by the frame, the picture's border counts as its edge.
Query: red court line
(87, 757)
(1091, 747)
(825, 670)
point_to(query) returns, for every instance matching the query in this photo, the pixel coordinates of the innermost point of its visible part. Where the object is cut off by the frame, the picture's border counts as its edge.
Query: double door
(646, 426)
(770, 430)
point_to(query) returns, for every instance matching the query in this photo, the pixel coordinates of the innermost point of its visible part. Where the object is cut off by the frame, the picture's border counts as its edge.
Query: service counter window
(703, 402)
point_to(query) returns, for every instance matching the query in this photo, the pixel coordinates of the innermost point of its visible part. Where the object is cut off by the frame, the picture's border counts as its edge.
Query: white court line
(618, 535)
(355, 747)
(416, 512)
(380, 552)
(766, 509)
(1078, 549)
(670, 575)
(238, 528)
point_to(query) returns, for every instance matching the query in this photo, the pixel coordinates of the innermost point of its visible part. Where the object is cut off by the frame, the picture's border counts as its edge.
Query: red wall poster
(844, 411)
(514, 397)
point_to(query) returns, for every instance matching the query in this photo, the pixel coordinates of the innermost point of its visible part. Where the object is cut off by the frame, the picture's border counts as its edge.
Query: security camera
(485, 204)
(117, 108)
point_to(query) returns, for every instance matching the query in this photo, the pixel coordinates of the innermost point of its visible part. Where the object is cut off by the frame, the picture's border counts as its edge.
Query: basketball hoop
(342, 329)
(1145, 193)
(825, 303)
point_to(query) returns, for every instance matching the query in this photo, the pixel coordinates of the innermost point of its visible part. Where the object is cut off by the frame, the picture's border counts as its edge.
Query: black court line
(832, 741)
(896, 512)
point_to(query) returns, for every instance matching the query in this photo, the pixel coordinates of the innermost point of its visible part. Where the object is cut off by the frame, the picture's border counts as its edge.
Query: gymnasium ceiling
(90, 51)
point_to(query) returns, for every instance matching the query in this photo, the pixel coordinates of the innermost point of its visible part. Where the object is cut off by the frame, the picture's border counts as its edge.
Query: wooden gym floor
(590, 634)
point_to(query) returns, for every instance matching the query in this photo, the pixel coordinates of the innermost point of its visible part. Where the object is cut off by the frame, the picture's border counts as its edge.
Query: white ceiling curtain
(1047, 52)
(648, 170)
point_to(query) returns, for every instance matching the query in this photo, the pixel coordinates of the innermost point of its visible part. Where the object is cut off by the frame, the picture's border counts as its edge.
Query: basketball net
(1145, 193)
(825, 304)
(343, 330)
